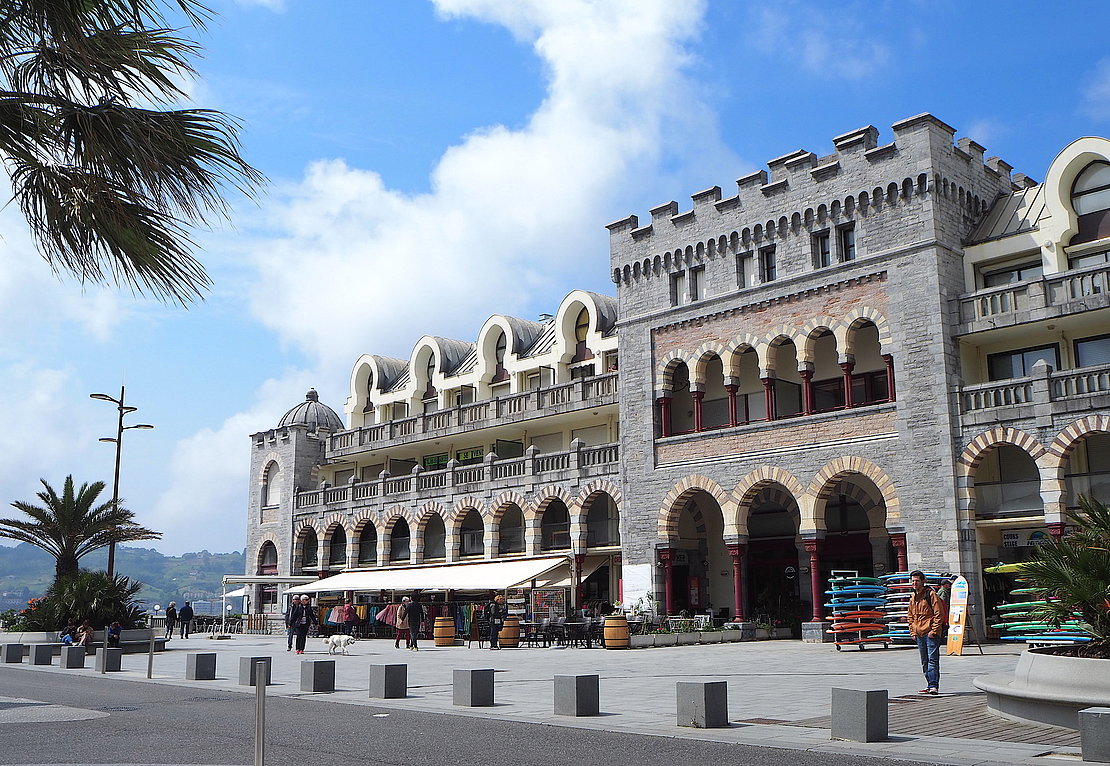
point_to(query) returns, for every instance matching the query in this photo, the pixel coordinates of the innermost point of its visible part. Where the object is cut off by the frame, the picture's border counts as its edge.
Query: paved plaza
(778, 691)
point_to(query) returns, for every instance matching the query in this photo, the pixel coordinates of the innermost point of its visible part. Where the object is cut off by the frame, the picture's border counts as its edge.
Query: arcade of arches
(770, 572)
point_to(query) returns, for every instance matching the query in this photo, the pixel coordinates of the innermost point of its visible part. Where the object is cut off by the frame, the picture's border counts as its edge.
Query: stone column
(664, 415)
(847, 368)
(697, 396)
(579, 560)
(813, 548)
(889, 361)
(732, 404)
(769, 396)
(737, 551)
(807, 391)
(898, 542)
(666, 555)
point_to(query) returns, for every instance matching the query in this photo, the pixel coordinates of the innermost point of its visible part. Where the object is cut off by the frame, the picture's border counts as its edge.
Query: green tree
(108, 176)
(72, 524)
(1075, 572)
(92, 596)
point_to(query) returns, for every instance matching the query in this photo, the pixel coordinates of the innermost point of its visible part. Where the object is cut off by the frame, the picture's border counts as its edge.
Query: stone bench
(11, 653)
(249, 670)
(472, 688)
(702, 704)
(109, 660)
(1094, 733)
(200, 666)
(577, 695)
(318, 676)
(389, 681)
(859, 716)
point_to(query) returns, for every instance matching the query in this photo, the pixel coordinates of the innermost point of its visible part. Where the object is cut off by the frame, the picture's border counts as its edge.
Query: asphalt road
(156, 724)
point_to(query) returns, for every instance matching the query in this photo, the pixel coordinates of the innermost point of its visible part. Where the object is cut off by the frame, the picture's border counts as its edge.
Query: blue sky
(432, 162)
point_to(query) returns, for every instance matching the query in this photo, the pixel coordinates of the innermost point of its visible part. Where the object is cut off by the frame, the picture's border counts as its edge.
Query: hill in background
(26, 572)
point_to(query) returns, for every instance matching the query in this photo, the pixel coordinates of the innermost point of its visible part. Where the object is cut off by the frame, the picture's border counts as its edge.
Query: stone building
(833, 364)
(503, 448)
(893, 356)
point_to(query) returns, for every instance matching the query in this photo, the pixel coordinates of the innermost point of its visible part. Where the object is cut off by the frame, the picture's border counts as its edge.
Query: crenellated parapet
(802, 192)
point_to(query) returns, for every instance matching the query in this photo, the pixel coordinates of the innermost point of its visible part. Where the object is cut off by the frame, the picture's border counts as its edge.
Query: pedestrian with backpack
(926, 615)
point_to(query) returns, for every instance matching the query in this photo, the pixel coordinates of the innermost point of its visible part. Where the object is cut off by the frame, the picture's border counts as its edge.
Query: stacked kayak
(1020, 620)
(857, 618)
(896, 603)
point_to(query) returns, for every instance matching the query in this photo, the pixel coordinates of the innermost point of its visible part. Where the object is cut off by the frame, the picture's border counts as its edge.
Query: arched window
(369, 392)
(399, 542)
(581, 330)
(271, 492)
(430, 394)
(682, 404)
(500, 347)
(1090, 198)
(555, 527)
(337, 550)
(510, 532)
(268, 559)
(309, 549)
(471, 533)
(368, 546)
(435, 538)
(602, 522)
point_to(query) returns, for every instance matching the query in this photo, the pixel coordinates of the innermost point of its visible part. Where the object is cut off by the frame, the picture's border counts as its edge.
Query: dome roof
(312, 413)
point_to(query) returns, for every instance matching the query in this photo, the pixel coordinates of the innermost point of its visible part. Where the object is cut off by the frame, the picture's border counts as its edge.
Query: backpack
(938, 599)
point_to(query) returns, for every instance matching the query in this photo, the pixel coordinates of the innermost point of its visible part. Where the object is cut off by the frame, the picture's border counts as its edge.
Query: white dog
(338, 641)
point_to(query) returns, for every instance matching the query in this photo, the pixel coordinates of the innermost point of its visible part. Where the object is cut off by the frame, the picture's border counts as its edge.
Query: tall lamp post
(118, 441)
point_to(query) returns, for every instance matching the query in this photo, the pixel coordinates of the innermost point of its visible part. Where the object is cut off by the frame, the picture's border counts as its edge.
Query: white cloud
(985, 131)
(1096, 96)
(514, 217)
(838, 46)
(204, 505)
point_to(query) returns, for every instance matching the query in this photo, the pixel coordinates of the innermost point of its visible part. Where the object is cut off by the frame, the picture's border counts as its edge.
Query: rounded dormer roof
(312, 413)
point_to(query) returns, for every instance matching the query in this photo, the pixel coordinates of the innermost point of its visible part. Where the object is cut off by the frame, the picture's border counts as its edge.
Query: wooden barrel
(510, 632)
(615, 633)
(444, 631)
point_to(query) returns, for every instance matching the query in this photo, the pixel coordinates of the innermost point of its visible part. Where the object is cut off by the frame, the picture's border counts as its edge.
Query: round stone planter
(1048, 688)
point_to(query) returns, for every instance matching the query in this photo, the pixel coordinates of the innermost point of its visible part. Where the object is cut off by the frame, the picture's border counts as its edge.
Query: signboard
(635, 586)
(1024, 538)
(957, 616)
(470, 455)
(431, 462)
(549, 602)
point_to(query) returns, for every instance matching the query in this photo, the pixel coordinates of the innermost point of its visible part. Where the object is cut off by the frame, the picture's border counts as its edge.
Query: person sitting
(115, 630)
(84, 635)
(66, 636)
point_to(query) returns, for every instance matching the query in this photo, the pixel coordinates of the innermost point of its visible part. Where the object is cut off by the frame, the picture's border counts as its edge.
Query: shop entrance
(702, 571)
(773, 571)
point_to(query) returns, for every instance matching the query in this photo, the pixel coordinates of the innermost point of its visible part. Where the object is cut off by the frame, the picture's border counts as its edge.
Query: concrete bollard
(1094, 733)
(473, 688)
(318, 676)
(247, 671)
(200, 666)
(42, 654)
(859, 716)
(389, 681)
(12, 653)
(702, 704)
(577, 695)
(72, 657)
(109, 660)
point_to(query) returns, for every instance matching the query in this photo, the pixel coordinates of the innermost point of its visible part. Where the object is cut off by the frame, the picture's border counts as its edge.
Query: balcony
(1050, 297)
(578, 465)
(569, 397)
(1042, 395)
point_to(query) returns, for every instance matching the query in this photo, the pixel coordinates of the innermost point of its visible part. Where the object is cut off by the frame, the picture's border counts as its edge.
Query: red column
(769, 396)
(813, 548)
(736, 550)
(664, 415)
(665, 555)
(807, 391)
(579, 559)
(697, 396)
(889, 360)
(898, 542)
(1056, 531)
(732, 404)
(847, 367)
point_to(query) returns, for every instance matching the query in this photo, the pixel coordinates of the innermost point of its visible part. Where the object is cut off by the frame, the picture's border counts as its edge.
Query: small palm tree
(71, 525)
(1075, 572)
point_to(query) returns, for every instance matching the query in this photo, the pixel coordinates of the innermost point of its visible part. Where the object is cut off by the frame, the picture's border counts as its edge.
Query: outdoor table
(579, 633)
(530, 632)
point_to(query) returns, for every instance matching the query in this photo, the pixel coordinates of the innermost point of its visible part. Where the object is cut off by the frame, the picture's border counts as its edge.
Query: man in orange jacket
(926, 619)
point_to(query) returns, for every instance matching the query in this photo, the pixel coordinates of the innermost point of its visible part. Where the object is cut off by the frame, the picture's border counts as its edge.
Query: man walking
(926, 620)
(304, 617)
(185, 617)
(415, 614)
(289, 631)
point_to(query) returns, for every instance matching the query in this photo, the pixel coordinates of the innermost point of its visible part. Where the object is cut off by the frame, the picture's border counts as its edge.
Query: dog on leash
(338, 642)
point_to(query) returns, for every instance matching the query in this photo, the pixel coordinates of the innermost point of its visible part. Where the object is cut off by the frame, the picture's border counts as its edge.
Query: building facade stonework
(893, 355)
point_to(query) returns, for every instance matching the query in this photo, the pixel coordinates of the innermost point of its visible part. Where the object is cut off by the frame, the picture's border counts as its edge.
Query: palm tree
(1075, 572)
(69, 526)
(109, 177)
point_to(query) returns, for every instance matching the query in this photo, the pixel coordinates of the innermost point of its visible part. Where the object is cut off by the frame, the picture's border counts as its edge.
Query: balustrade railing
(1044, 386)
(1051, 290)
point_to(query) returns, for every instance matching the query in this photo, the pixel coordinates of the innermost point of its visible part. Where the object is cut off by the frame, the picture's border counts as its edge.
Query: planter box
(780, 633)
(762, 634)
(728, 636)
(711, 636)
(687, 638)
(665, 639)
(641, 642)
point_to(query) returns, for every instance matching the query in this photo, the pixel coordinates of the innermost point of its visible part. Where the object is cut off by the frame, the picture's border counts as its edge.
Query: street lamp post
(118, 441)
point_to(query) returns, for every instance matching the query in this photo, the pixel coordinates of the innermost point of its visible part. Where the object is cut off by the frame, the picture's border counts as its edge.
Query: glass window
(678, 289)
(822, 250)
(1092, 351)
(582, 326)
(1089, 259)
(697, 283)
(1091, 192)
(1012, 274)
(1019, 364)
(768, 270)
(847, 243)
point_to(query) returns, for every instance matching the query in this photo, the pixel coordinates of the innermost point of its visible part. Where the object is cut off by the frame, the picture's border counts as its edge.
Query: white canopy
(236, 593)
(562, 577)
(484, 575)
(266, 579)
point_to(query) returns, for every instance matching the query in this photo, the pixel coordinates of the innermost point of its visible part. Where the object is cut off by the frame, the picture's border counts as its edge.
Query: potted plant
(762, 630)
(731, 631)
(663, 637)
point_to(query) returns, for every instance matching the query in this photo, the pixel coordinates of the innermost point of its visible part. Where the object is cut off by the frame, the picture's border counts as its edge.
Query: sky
(433, 162)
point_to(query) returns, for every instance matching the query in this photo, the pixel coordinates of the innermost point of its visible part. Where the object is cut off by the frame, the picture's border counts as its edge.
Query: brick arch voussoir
(502, 502)
(807, 332)
(398, 512)
(262, 544)
(425, 513)
(1059, 451)
(736, 347)
(981, 444)
(596, 487)
(829, 477)
(861, 314)
(664, 373)
(702, 356)
(461, 509)
(676, 498)
(544, 498)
